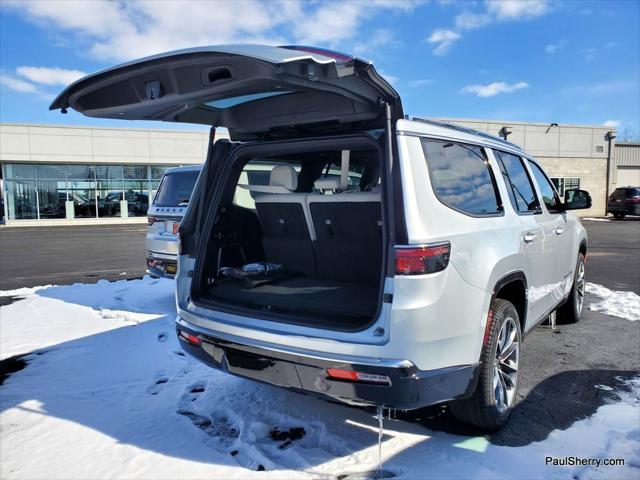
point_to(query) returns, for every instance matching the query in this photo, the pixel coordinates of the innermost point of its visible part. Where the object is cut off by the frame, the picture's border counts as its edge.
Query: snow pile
(614, 302)
(595, 219)
(108, 393)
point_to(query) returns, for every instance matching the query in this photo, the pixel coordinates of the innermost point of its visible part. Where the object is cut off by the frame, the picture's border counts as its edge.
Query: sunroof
(233, 101)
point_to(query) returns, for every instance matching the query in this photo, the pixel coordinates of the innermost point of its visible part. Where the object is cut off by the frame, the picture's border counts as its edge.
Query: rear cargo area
(299, 239)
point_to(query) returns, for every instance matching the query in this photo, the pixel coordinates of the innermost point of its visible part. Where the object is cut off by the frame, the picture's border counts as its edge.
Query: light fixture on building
(610, 135)
(551, 125)
(505, 132)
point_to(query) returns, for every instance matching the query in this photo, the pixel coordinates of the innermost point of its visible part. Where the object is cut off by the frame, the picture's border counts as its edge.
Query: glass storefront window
(136, 194)
(109, 194)
(20, 170)
(52, 195)
(83, 195)
(51, 172)
(135, 172)
(80, 172)
(40, 190)
(112, 172)
(21, 199)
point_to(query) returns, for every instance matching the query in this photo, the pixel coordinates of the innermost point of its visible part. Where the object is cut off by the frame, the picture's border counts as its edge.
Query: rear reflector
(423, 259)
(187, 337)
(352, 376)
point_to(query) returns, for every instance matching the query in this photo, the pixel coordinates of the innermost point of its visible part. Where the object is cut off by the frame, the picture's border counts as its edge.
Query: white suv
(382, 261)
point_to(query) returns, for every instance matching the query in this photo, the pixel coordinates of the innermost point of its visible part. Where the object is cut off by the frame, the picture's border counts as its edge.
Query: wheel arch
(513, 288)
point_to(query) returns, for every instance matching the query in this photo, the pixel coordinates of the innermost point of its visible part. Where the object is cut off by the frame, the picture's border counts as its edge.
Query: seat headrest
(284, 176)
(327, 183)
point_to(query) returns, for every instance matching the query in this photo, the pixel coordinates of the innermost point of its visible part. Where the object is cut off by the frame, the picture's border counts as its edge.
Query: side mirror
(576, 199)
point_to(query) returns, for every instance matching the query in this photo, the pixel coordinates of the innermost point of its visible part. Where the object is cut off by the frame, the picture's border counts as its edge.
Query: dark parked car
(624, 201)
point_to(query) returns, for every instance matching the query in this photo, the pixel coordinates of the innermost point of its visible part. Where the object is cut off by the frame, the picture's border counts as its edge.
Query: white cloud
(494, 11)
(517, 9)
(122, 30)
(611, 123)
(50, 76)
(469, 20)
(16, 84)
(443, 39)
(494, 88)
(379, 38)
(592, 52)
(554, 47)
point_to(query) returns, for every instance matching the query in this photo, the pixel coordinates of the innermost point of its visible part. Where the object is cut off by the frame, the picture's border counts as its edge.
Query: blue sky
(532, 60)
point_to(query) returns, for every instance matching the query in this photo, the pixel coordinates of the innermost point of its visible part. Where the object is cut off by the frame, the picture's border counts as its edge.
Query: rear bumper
(625, 209)
(162, 267)
(409, 387)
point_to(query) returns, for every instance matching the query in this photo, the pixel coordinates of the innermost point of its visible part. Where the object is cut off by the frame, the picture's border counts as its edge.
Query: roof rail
(471, 131)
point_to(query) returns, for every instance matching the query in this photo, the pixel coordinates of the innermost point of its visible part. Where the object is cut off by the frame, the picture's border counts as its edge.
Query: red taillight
(176, 226)
(632, 201)
(423, 259)
(187, 337)
(352, 376)
(151, 220)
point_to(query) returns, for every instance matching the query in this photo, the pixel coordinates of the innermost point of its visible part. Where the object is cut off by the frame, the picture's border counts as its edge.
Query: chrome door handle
(559, 230)
(529, 237)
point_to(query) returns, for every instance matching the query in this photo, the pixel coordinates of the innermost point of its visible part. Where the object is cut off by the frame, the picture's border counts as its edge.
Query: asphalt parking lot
(567, 373)
(32, 256)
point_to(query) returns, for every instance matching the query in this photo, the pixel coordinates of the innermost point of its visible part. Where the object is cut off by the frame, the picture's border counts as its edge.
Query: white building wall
(62, 144)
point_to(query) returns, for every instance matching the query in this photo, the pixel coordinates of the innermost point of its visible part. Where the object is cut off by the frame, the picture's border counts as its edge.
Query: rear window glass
(175, 189)
(461, 177)
(626, 192)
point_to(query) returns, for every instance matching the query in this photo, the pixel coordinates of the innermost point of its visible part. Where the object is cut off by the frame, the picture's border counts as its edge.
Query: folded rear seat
(348, 233)
(285, 223)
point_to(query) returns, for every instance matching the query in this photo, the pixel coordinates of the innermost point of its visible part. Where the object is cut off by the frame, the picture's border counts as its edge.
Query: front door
(560, 228)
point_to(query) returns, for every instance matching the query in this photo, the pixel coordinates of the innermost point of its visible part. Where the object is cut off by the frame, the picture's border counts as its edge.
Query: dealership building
(61, 175)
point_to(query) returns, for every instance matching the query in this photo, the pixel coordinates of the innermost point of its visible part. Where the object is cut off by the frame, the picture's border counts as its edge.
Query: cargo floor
(325, 304)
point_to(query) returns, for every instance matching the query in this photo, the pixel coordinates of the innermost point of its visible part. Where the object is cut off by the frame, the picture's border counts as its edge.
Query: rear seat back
(348, 234)
(285, 222)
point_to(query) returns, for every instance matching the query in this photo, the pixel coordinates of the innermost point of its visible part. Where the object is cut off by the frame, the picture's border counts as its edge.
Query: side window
(461, 177)
(521, 191)
(549, 195)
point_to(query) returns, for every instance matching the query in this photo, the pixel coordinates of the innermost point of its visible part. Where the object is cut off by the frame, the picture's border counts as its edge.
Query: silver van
(164, 216)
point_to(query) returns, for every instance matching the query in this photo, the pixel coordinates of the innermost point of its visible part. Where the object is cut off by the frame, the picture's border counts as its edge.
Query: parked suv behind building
(164, 217)
(409, 279)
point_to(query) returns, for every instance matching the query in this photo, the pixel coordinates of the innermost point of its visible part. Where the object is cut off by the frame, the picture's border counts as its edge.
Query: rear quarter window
(461, 177)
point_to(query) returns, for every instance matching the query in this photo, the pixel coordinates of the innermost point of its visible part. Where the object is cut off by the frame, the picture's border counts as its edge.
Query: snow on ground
(596, 219)
(614, 302)
(107, 393)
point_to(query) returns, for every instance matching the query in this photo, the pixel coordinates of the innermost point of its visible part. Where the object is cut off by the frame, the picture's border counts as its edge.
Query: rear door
(538, 240)
(255, 91)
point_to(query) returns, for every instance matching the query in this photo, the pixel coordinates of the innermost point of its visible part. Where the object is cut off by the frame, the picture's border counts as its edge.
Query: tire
(571, 311)
(490, 405)
(619, 216)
